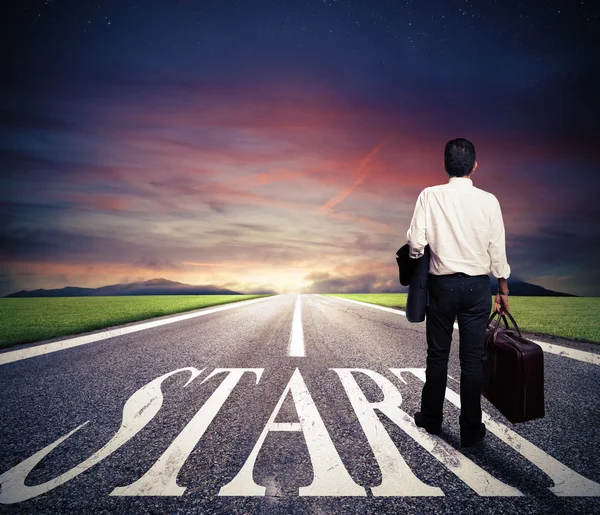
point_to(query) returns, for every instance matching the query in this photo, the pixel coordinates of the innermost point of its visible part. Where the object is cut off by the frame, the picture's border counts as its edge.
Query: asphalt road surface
(289, 404)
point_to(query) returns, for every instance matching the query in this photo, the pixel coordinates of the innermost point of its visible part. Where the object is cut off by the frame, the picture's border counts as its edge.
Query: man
(464, 229)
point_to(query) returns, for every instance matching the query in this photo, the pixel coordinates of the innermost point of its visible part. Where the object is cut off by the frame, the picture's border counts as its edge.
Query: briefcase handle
(497, 328)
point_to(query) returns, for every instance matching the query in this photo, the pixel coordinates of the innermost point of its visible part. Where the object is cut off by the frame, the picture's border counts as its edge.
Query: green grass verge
(25, 320)
(575, 318)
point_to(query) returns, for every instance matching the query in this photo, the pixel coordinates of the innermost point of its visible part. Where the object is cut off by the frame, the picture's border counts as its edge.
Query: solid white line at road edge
(297, 335)
(31, 352)
(580, 355)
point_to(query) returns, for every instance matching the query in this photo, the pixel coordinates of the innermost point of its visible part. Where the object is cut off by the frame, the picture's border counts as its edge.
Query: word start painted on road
(330, 476)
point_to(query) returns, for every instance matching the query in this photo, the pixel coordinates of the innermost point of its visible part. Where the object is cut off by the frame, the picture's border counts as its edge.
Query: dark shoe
(470, 439)
(433, 429)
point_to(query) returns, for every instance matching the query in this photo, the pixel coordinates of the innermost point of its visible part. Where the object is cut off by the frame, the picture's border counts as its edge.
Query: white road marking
(161, 478)
(138, 411)
(579, 355)
(330, 477)
(31, 352)
(297, 334)
(382, 308)
(397, 478)
(567, 482)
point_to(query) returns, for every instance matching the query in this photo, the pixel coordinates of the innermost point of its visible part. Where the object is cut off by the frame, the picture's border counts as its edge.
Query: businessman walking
(464, 229)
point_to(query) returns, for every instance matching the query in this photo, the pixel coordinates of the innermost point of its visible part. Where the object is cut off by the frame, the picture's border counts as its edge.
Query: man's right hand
(501, 303)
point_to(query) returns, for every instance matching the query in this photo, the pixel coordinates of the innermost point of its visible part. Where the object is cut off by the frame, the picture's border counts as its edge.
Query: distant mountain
(516, 286)
(166, 287)
(151, 287)
(524, 289)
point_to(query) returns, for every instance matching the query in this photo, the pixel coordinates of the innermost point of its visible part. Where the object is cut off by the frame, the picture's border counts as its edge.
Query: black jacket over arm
(414, 273)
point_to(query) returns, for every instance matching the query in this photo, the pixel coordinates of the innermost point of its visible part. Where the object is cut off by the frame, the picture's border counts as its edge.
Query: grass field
(24, 320)
(576, 318)
(34, 319)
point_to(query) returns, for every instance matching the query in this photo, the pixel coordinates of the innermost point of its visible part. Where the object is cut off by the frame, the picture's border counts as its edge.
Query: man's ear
(474, 166)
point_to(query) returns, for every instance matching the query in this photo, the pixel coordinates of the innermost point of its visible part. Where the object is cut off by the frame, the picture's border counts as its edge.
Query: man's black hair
(459, 157)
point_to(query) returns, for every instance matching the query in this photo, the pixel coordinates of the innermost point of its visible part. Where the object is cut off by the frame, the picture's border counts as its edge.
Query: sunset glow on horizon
(220, 148)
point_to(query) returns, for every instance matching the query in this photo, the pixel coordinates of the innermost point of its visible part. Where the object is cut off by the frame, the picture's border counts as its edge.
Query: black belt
(459, 274)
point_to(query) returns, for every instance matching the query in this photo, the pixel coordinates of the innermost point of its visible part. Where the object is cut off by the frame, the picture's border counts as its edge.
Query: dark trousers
(467, 298)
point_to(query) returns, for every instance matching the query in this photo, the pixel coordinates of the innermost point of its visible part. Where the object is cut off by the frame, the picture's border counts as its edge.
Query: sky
(281, 145)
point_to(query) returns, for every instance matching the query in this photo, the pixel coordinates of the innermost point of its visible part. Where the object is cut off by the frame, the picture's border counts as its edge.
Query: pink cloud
(101, 202)
(297, 160)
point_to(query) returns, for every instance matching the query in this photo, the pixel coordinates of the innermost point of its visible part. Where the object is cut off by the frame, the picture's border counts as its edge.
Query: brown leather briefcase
(513, 378)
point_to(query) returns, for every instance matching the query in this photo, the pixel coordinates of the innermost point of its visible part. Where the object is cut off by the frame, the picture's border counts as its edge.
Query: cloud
(258, 290)
(357, 283)
(158, 264)
(363, 172)
(101, 202)
(240, 178)
(554, 252)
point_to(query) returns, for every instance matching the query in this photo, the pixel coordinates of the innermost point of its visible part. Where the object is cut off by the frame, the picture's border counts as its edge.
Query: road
(288, 404)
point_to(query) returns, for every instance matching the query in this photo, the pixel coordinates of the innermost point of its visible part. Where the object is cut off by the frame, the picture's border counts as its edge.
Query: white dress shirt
(464, 229)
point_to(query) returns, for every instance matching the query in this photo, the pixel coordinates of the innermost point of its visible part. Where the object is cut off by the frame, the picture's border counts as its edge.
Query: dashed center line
(297, 335)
